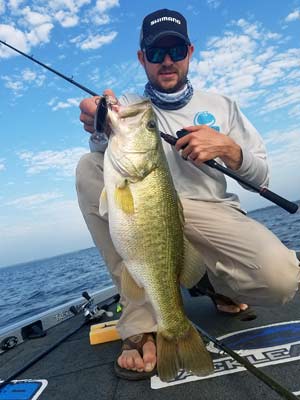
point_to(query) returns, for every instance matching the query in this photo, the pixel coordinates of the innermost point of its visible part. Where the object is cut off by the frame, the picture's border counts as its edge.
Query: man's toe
(149, 356)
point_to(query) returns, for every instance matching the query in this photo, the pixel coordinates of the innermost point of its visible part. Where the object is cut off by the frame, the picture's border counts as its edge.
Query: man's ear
(190, 50)
(141, 57)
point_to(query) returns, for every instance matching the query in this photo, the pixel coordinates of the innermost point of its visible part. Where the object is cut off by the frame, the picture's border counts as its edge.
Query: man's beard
(178, 86)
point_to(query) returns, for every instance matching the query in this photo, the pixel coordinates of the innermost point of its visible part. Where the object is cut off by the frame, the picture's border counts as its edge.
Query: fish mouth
(123, 118)
(129, 155)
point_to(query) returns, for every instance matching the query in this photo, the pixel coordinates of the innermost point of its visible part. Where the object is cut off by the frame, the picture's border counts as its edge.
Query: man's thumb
(111, 97)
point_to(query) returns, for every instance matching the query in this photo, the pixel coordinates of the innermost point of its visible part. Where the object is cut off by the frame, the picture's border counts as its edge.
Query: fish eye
(151, 124)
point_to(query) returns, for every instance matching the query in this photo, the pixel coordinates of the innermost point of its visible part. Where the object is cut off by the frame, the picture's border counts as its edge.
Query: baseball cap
(162, 23)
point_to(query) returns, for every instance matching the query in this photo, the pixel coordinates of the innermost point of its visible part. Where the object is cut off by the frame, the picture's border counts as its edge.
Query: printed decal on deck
(261, 346)
(23, 390)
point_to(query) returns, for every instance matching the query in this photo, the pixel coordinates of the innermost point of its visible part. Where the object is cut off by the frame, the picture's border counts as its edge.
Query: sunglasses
(156, 55)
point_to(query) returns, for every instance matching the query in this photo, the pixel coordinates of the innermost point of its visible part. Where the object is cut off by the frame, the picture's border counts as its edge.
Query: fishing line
(274, 385)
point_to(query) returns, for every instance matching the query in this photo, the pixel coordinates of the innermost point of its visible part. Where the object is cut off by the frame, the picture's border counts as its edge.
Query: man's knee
(89, 180)
(89, 168)
(283, 279)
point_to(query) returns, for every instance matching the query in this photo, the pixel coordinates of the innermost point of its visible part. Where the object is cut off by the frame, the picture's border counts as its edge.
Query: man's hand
(88, 109)
(203, 143)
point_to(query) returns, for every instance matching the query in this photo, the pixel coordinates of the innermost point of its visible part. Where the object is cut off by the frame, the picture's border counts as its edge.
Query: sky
(248, 50)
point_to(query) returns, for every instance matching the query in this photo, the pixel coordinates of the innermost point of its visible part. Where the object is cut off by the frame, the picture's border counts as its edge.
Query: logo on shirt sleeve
(206, 118)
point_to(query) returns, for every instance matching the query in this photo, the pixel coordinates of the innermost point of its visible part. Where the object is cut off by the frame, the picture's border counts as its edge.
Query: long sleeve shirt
(223, 115)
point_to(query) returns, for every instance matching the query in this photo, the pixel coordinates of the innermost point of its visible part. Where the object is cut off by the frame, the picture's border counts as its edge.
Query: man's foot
(222, 303)
(225, 305)
(231, 308)
(138, 357)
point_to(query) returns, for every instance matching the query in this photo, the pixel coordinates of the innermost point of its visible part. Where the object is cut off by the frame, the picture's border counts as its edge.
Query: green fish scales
(146, 225)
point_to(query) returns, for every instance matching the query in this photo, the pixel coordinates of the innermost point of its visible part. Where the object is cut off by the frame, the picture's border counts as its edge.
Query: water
(33, 287)
(30, 288)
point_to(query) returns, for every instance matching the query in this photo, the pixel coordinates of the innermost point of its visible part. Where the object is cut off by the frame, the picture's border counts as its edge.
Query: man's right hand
(88, 109)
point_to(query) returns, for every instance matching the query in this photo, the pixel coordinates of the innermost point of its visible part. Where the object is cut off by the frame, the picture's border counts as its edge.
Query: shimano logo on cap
(162, 19)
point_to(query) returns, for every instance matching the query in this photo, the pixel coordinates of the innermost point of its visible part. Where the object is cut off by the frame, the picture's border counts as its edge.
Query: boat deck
(77, 370)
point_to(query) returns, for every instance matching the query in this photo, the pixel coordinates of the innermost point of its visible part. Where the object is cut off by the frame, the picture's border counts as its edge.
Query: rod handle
(289, 206)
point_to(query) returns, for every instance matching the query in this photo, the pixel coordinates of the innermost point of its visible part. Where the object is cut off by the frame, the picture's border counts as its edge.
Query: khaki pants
(244, 260)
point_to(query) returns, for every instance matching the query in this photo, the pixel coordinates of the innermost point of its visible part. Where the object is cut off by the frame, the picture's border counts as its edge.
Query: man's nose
(167, 60)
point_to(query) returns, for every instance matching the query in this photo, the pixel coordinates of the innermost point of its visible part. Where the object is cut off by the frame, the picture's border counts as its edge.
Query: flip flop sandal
(135, 342)
(205, 288)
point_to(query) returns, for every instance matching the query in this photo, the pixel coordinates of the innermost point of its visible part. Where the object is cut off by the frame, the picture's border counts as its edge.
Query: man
(245, 261)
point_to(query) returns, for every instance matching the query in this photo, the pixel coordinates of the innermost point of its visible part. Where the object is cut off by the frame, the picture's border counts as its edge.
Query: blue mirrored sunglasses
(156, 55)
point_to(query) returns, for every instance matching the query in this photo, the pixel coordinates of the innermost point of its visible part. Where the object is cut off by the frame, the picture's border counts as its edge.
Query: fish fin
(123, 198)
(168, 364)
(180, 210)
(130, 288)
(103, 205)
(188, 353)
(193, 268)
(193, 355)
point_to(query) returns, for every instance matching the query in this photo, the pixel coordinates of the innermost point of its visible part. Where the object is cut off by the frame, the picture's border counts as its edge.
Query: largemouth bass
(146, 225)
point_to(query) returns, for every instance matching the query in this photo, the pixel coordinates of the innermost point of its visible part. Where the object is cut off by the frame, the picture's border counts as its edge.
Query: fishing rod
(101, 115)
(274, 385)
(71, 80)
(90, 312)
(262, 190)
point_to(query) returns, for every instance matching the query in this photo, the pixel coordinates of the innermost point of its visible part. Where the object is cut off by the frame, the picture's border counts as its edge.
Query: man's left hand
(203, 143)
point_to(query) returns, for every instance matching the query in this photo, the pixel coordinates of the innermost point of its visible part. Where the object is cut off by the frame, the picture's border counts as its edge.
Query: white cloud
(63, 163)
(14, 37)
(294, 112)
(57, 105)
(10, 83)
(73, 6)
(132, 73)
(93, 42)
(40, 34)
(293, 16)
(67, 19)
(15, 4)
(30, 25)
(283, 97)
(244, 63)
(23, 40)
(98, 14)
(19, 83)
(35, 18)
(2, 165)
(213, 3)
(104, 5)
(34, 200)
(283, 148)
(2, 7)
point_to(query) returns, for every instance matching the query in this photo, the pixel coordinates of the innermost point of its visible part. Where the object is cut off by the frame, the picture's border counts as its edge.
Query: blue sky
(248, 50)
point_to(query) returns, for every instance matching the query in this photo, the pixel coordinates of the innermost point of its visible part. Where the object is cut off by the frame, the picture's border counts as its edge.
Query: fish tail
(186, 353)
(168, 363)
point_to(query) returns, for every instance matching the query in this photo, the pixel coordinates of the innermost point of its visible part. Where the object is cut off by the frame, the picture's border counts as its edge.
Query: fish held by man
(146, 225)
